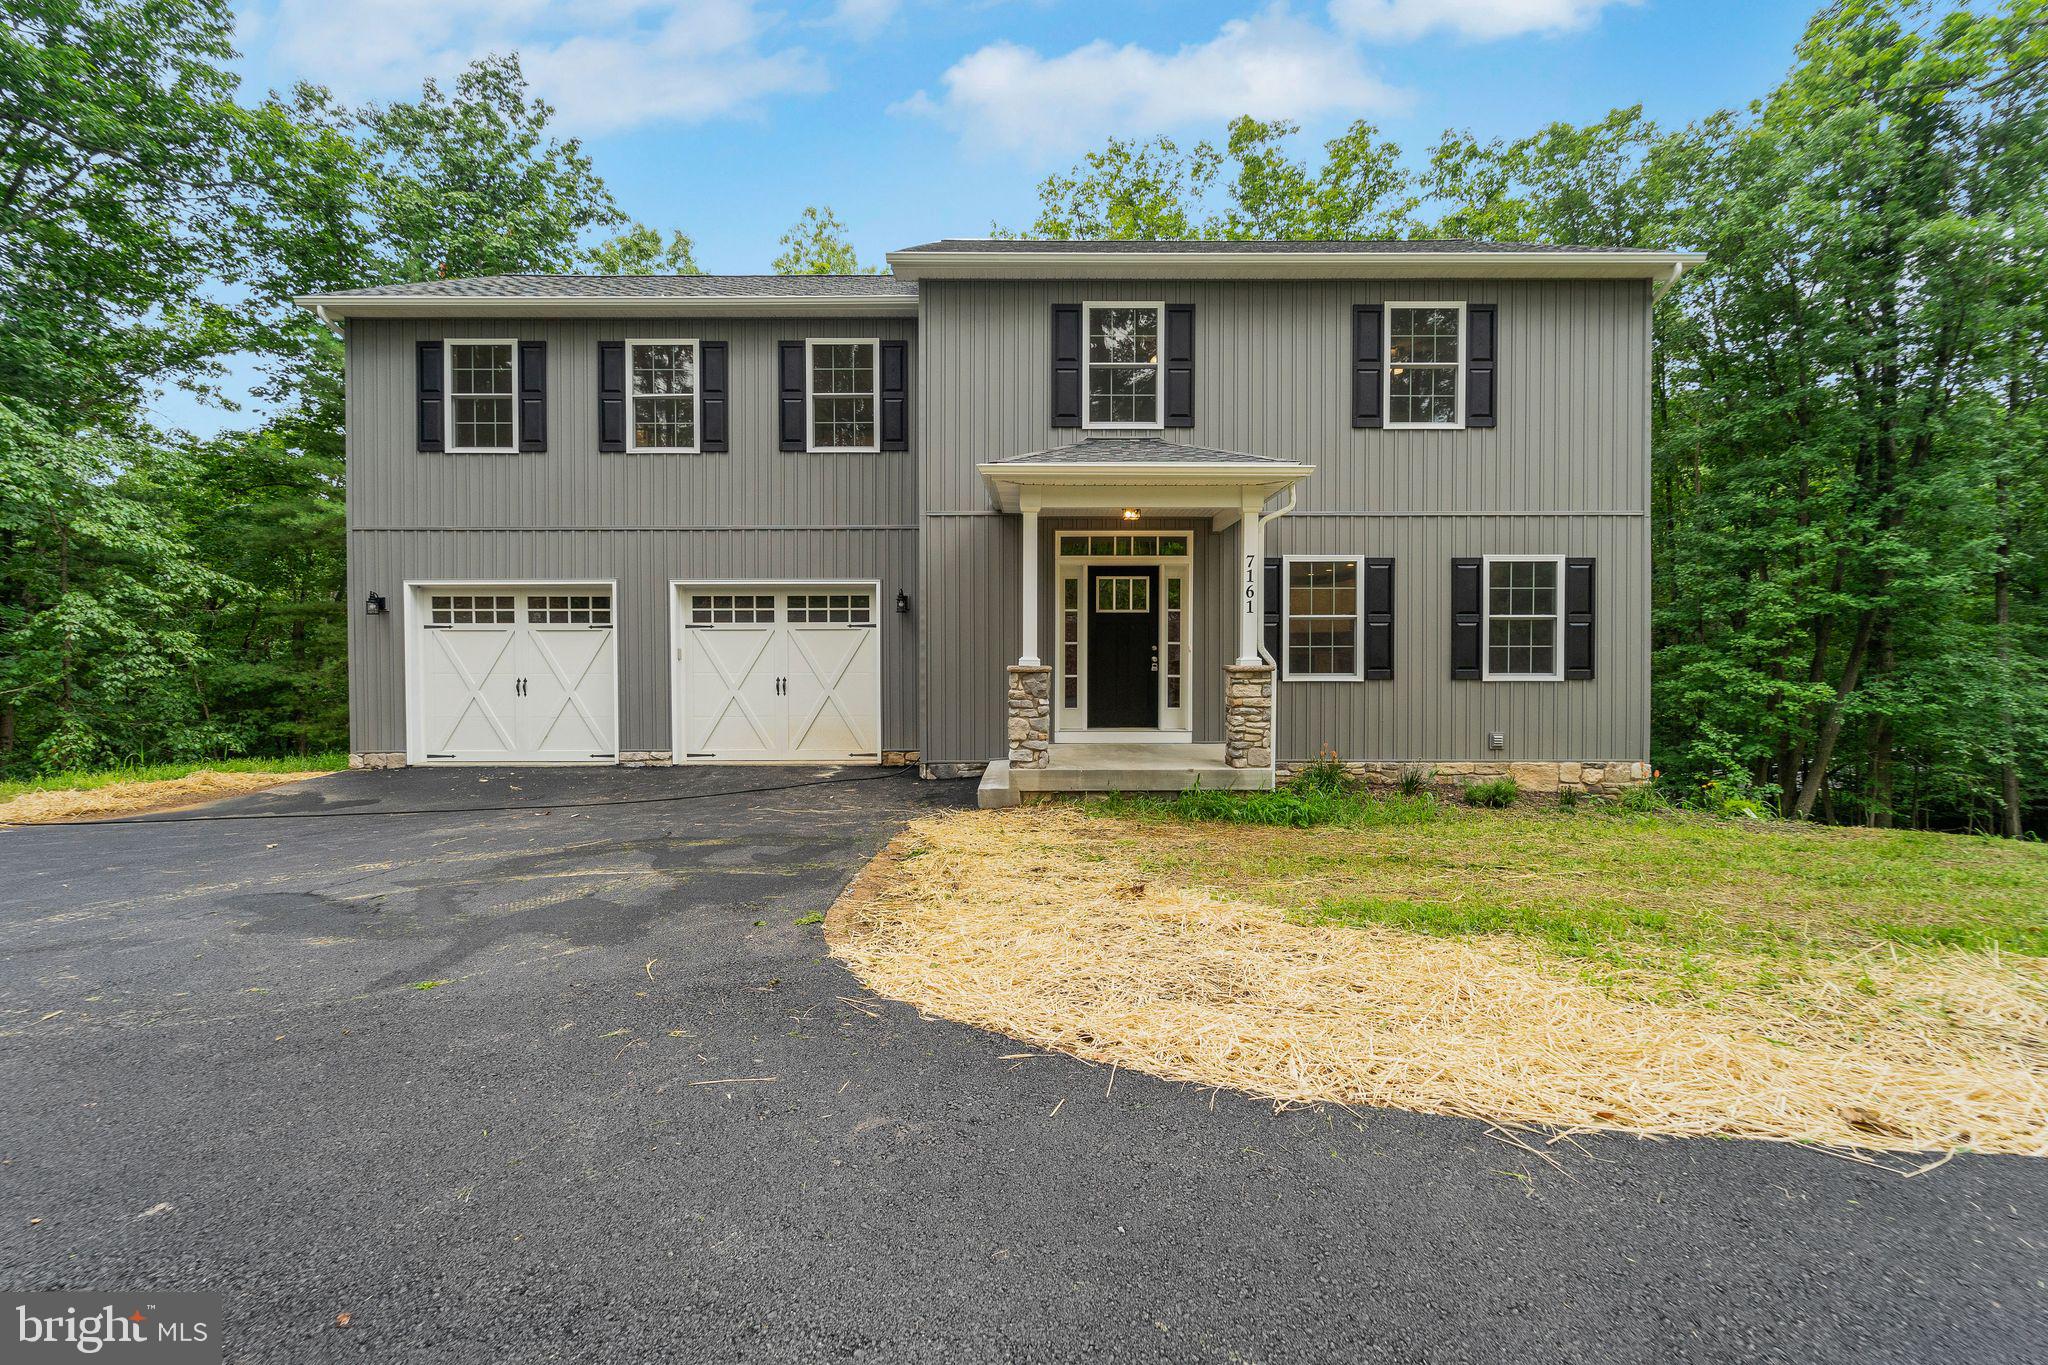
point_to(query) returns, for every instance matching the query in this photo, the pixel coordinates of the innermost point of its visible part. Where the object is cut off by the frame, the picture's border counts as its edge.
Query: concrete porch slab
(1120, 768)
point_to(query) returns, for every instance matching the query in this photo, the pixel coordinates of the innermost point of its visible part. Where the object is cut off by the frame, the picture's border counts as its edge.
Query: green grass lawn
(164, 772)
(1658, 900)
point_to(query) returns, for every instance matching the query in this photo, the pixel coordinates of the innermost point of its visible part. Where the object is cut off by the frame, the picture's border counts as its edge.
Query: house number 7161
(1251, 582)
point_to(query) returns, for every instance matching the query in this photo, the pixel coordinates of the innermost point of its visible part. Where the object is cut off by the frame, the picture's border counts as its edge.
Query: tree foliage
(816, 245)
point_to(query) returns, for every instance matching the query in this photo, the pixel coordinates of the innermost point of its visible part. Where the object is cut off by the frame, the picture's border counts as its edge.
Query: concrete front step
(1093, 769)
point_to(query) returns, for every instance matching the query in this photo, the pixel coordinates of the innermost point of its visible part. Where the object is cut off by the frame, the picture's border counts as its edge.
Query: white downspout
(1271, 662)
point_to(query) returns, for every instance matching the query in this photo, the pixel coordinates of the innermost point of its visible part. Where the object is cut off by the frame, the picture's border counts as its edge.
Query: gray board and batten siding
(1565, 471)
(575, 513)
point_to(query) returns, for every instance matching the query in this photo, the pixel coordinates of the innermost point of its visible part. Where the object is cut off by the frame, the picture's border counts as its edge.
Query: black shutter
(1365, 365)
(1578, 619)
(1482, 347)
(789, 387)
(1275, 586)
(1180, 365)
(895, 395)
(611, 395)
(533, 397)
(712, 435)
(1066, 364)
(1465, 603)
(1378, 601)
(432, 439)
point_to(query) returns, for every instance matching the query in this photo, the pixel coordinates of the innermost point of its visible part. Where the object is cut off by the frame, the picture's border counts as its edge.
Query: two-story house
(1078, 515)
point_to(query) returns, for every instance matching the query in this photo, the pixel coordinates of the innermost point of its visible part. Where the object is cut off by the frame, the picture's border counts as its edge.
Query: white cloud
(1272, 65)
(863, 18)
(605, 64)
(1406, 20)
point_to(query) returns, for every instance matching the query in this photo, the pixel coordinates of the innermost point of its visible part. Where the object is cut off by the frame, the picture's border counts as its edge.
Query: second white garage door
(779, 673)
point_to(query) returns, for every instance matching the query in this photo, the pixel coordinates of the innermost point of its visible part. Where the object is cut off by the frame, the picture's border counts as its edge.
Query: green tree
(639, 250)
(816, 245)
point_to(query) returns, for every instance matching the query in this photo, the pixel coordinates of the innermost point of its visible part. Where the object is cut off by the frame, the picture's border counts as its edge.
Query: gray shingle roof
(1135, 450)
(1268, 247)
(881, 287)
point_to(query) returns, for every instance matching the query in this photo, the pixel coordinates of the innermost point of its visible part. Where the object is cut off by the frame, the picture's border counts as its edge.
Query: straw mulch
(135, 798)
(1015, 922)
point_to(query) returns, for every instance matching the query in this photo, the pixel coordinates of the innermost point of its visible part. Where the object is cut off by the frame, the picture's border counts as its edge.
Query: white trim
(677, 733)
(1158, 367)
(1002, 261)
(696, 395)
(415, 682)
(811, 397)
(448, 346)
(1287, 563)
(1457, 367)
(1486, 672)
(1071, 723)
(341, 306)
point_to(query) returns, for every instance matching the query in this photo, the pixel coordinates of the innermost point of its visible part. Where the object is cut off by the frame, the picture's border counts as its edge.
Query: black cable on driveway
(454, 810)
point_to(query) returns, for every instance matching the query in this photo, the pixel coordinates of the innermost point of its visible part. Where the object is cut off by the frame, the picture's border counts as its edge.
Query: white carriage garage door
(779, 673)
(516, 674)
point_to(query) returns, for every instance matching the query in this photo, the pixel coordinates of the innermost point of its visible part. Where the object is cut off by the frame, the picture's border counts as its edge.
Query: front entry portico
(1120, 669)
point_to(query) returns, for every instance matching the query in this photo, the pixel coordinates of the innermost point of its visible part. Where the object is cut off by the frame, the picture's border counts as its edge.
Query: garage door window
(728, 609)
(572, 610)
(458, 610)
(839, 608)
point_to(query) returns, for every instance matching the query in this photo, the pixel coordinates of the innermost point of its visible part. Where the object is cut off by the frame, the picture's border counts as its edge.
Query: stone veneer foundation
(1248, 716)
(1030, 715)
(376, 761)
(1541, 779)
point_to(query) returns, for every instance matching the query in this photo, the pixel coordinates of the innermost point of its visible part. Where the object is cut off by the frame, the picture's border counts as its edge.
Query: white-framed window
(466, 609)
(1322, 626)
(1120, 366)
(1120, 594)
(661, 380)
(1523, 605)
(569, 609)
(732, 609)
(835, 608)
(1425, 365)
(845, 402)
(482, 409)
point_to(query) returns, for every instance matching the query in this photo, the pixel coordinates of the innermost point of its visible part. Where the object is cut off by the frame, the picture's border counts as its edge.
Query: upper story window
(1521, 616)
(1322, 618)
(480, 402)
(1120, 354)
(663, 391)
(1424, 360)
(843, 396)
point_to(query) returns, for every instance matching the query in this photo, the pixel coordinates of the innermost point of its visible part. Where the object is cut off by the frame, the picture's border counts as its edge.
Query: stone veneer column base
(1540, 779)
(1248, 715)
(376, 761)
(1030, 715)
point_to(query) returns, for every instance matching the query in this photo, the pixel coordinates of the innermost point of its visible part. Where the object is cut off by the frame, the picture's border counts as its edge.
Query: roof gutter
(328, 306)
(1000, 264)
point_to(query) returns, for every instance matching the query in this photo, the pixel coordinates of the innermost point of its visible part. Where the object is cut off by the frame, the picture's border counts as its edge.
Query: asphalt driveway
(223, 1067)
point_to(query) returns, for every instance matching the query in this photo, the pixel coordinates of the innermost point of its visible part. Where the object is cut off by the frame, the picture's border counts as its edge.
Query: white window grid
(1133, 360)
(732, 609)
(662, 383)
(1440, 377)
(482, 395)
(850, 406)
(470, 609)
(1521, 605)
(1322, 602)
(569, 609)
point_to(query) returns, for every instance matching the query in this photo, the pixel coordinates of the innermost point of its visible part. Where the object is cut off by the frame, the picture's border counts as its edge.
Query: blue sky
(915, 119)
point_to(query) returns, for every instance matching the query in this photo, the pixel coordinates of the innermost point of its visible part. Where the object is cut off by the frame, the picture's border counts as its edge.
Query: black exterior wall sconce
(373, 605)
(902, 602)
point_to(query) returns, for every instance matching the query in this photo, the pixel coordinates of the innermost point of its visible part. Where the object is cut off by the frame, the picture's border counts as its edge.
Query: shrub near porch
(1654, 973)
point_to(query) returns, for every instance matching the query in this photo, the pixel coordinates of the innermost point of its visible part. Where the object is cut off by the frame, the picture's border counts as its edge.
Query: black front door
(1123, 647)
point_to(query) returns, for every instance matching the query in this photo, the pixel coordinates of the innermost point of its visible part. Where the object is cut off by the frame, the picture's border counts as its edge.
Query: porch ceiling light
(1130, 514)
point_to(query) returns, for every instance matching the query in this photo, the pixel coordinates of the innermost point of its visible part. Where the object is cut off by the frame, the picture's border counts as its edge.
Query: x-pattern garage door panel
(832, 673)
(471, 694)
(504, 677)
(566, 712)
(793, 676)
(732, 699)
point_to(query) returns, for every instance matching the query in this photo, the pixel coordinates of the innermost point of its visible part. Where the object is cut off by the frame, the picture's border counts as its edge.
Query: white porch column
(1028, 655)
(1252, 576)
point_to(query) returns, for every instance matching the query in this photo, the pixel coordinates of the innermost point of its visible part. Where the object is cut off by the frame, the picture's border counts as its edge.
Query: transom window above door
(1080, 545)
(480, 401)
(1120, 356)
(662, 380)
(843, 396)
(1424, 359)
